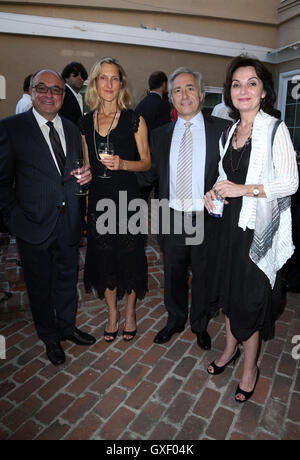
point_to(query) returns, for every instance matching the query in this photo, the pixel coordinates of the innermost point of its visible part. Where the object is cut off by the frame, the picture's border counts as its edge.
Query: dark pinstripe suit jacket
(31, 188)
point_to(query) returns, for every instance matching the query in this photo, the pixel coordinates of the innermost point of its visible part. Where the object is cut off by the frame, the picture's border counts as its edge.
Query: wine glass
(77, 171)
(105, 149)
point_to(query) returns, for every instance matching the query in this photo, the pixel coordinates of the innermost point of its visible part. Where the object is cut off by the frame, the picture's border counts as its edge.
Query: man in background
(25, 103)
(155, 109)
(74, 75)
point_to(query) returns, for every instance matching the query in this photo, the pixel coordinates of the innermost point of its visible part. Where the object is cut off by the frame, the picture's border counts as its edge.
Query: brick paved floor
(140, 390)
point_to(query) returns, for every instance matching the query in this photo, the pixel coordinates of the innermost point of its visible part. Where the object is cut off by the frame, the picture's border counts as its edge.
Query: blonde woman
(115, 263)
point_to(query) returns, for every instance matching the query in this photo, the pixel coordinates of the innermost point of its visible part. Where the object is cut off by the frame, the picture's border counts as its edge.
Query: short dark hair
(267, 104)
(26, 83)
(156, 79)
(72, 68)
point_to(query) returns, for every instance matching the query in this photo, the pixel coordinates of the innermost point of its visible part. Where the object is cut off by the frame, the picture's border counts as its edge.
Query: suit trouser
(51, 272)
(178, 257)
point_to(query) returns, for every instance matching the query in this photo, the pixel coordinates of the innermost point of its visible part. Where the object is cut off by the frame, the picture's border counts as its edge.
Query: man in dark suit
(185, 158)
(40, 207)
(74, 75)
(155, 110)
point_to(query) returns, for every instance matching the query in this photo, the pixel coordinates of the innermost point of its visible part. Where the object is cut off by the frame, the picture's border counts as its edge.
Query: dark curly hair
(74, 67)
(267, 103)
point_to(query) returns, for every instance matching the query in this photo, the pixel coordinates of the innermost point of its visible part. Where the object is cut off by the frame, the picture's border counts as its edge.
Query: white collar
(155, 92)
(43, 121)
(196, 120)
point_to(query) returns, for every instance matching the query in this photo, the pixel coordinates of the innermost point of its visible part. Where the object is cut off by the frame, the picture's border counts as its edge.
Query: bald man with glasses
(40, 207)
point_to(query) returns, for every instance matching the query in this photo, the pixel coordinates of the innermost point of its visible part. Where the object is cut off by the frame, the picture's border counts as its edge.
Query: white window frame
(284, 78)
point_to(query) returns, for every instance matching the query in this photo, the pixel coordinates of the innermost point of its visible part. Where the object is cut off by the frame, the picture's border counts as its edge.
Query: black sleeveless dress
(243, 290)
(116, 258)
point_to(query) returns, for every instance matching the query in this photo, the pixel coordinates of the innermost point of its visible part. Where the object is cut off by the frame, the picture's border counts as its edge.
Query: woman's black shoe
(247, 394)
(219, 369)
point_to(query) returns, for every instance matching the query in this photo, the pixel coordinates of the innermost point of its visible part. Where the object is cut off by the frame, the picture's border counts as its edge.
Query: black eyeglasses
(43, 89)
(75, 74)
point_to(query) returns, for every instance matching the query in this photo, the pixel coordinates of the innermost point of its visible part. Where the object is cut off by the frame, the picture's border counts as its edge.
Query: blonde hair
(92, 98)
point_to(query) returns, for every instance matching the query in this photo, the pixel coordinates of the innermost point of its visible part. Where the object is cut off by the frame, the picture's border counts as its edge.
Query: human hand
(228, 189)
(84, 176)
(112, 162)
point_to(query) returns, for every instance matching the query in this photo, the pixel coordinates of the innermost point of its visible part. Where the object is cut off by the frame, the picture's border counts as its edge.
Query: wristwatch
(255, 190)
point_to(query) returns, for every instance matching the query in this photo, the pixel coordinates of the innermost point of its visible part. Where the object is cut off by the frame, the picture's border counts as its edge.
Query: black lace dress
(117, 258)
(242, 289)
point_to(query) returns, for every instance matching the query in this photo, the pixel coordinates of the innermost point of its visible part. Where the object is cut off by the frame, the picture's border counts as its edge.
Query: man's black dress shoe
(80, 338)
(204, 340)
(55, 353)
(165, 334)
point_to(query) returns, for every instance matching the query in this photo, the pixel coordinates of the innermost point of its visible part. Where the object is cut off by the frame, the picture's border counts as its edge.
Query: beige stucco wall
(254, 10)
(237, 21)
(255, 22)
(289, 31)
(22, 55)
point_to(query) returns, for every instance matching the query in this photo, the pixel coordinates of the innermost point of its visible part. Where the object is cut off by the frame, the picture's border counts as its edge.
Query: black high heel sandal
(246, 394)
(130, 333)
(219, 369)
(110, 334)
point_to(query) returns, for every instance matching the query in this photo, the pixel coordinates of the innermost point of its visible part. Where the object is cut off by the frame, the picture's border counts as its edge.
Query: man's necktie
(185, 169)
(57, 147)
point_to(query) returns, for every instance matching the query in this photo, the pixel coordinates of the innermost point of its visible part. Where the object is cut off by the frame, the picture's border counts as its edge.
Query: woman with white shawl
(257, 175)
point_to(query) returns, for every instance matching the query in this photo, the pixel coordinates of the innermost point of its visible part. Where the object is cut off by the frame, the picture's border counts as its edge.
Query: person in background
(74, 75)
(40, 207)
(116, 263)
(221, 111)
(155, 110)
(257, 175)
(25, 103)
(292, 269)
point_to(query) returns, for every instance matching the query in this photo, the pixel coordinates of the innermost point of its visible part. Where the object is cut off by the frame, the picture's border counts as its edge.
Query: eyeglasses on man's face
(43, 89)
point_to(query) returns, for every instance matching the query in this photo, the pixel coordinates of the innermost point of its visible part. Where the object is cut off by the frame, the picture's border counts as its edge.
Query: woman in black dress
(115, 263)
(258, 173)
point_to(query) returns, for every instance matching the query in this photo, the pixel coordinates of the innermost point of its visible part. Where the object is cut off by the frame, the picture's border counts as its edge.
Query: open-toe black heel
(219, 369)
(110, 334)
(247, 394)
(131, 335)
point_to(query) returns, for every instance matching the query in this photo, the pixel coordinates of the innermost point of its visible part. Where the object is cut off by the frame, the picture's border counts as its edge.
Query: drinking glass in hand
(105, 150)
(77, 171)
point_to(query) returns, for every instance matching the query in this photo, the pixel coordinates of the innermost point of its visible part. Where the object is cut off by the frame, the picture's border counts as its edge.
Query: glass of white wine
(104, 150)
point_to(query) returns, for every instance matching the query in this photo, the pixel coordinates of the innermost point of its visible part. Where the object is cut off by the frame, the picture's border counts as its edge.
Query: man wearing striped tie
(185, 158)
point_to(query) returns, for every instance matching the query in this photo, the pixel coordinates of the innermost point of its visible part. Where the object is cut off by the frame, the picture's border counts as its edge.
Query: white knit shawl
(270, 217)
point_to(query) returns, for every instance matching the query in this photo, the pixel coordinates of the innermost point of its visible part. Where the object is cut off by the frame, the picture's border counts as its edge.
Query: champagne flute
(77, 171)
(104, 150)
